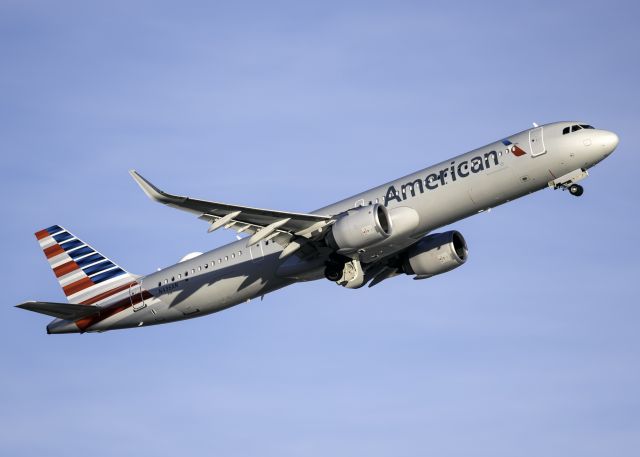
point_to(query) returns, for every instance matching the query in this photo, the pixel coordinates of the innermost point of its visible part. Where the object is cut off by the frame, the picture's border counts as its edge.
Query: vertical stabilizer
(86, 276)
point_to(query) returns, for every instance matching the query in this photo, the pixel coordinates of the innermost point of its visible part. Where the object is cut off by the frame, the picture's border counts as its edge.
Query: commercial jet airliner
(375, 235)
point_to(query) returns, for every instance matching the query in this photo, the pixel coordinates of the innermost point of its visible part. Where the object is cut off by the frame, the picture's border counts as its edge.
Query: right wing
(286, 228)
(66, 311)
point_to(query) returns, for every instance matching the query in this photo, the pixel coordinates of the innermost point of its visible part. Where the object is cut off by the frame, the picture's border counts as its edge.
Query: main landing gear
(345, 272)
(576, 190)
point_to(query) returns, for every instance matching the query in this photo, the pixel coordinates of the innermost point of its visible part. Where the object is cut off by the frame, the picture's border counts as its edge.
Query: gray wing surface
(66, 311)
(282, 226)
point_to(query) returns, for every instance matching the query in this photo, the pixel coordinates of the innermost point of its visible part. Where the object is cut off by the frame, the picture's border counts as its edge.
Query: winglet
(152, 191)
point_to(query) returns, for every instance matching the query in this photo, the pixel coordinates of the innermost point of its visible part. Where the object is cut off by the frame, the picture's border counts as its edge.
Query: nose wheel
(568, 182)
(576, 190)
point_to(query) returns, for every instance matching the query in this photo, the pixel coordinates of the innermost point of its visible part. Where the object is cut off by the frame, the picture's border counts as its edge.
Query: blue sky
(529, 349)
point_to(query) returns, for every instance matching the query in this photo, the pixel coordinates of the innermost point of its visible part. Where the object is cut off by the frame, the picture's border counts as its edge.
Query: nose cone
(608, 141)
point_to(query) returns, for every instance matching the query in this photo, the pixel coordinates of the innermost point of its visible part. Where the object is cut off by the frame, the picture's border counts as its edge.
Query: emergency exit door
(135, 295)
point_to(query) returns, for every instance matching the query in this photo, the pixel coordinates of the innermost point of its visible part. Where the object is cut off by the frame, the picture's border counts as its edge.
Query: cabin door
(135, 295)
(536, 141)
(256, 252)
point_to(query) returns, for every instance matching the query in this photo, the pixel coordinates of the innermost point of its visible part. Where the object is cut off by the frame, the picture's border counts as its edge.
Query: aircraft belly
(215, 293)
(445, 206)
(492, 188)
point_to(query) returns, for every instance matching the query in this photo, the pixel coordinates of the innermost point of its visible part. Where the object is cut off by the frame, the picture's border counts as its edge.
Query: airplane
(375, 235)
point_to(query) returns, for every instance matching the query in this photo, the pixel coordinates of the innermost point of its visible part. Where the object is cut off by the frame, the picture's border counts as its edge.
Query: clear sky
(531, 348)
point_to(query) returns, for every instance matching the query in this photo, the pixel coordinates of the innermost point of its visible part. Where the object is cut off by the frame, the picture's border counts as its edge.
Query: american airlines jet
(375, 235)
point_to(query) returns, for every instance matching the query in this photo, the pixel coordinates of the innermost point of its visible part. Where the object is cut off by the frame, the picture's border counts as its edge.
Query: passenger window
(186, 273)
(239, 253)
(575, 128)
(179, 276)
(566, 130)
(200, 268)
(193, 271)
(160, 284)
(226, 257)
(166, 281)
(206, 265)
(233, 256)
(173, 278)
(219, 261)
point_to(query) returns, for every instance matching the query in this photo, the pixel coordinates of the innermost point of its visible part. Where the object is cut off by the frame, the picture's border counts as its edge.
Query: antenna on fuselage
(535, 125)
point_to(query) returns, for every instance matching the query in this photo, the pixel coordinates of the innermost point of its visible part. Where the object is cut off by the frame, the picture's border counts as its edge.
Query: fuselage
(439, 195)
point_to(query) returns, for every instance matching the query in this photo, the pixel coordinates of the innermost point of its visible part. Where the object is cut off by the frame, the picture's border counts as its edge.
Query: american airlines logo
(514, 148)
(449, 174)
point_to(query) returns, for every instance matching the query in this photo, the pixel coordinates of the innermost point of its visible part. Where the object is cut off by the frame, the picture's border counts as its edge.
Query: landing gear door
(536, 142)
(135, 295)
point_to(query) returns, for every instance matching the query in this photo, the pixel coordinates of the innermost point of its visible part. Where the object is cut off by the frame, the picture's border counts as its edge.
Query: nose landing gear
(568, 182)
(576, 190)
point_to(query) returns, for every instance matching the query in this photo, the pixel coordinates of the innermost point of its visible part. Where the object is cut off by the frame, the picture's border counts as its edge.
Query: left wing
(291, 230)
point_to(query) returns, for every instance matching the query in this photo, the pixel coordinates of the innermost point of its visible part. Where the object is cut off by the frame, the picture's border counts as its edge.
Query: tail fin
(85, 275)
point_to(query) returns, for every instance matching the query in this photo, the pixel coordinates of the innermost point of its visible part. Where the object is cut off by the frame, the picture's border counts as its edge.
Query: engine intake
(360, 228)
(436, 254)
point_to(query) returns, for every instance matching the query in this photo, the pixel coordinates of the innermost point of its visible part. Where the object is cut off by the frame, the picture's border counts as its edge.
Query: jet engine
(360, 228)
(435, 254)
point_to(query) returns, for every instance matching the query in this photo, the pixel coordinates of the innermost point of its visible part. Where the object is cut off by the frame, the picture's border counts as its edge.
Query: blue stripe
(69, 245)
(87, 260)
(62, 236)
(506, 142)
(107, 275)
(80, 252)
(98, 267)
(54, 229)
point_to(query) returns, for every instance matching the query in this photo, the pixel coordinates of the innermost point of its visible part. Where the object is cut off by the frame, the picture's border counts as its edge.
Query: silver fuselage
(440, 194)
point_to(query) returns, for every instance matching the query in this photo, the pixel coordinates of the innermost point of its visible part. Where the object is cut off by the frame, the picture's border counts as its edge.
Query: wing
(291, 230)
(66, 311)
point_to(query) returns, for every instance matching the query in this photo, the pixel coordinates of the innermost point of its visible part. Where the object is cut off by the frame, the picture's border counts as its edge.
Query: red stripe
(517, 151)
(53, 251)
(106, 294)
(77, 286)
(42, 234)
(65, 268)
(116, 308)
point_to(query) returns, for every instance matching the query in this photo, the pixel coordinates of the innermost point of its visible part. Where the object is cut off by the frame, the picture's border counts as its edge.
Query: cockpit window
(575, 128)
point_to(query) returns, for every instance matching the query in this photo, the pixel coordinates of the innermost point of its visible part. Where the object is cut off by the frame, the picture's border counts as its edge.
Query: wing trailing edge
(282, 226)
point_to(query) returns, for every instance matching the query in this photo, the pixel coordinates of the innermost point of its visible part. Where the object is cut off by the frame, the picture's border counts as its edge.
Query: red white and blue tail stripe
(85, 275)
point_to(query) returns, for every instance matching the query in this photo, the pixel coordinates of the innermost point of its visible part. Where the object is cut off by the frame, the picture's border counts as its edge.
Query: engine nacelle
(436, 254)
(360, 228)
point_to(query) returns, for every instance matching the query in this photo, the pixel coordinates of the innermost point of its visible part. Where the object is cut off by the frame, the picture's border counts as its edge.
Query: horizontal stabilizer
(67, 311)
